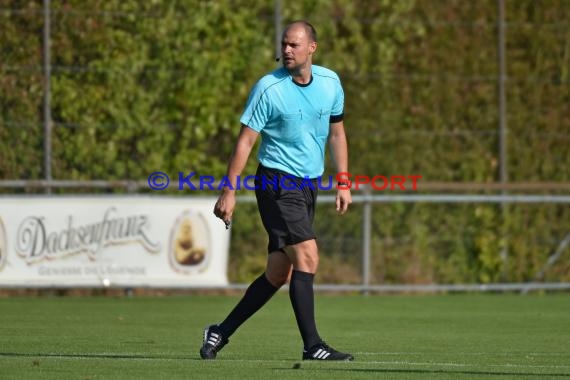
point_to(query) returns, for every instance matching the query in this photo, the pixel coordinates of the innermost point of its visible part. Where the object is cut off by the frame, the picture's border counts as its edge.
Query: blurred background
(474, 96)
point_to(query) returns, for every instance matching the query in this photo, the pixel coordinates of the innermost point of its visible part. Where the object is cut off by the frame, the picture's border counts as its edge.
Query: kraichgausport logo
(342, 181)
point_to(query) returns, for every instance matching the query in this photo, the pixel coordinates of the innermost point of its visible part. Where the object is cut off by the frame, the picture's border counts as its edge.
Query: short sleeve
(337, 110)
(257, 109)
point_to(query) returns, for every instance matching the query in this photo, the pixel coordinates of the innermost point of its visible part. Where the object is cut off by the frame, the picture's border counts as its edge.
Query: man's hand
(224, 207)
(226, 203)
(343, 199)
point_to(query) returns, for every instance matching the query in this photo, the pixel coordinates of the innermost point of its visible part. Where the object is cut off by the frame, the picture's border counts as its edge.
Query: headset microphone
(277, 59)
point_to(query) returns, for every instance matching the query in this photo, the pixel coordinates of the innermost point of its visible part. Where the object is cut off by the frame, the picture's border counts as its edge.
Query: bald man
(297, 109)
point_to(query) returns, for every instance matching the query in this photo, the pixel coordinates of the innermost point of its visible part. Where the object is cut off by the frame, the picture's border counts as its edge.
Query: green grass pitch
(457, 336)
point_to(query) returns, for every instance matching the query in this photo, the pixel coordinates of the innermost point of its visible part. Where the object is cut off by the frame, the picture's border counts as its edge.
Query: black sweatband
(336, 118)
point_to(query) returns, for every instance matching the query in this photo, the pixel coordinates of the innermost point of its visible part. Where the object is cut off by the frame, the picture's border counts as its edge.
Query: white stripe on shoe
(321, 354)
(213, 339)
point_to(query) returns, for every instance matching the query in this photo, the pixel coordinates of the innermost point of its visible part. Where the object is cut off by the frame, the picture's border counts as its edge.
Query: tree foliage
(142, 86)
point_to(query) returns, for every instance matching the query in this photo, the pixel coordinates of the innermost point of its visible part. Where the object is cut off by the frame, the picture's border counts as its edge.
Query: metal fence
(370, 200)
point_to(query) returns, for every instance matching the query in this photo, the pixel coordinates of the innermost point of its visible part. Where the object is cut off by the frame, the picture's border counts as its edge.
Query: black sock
(256, 295)
(302, 299)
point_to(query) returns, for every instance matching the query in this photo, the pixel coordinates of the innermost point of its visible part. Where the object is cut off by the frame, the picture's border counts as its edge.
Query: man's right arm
(226, 202)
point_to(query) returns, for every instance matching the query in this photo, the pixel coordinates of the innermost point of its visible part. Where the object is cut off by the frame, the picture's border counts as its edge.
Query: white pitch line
(525, 354)
(451, 364)
(309, 362)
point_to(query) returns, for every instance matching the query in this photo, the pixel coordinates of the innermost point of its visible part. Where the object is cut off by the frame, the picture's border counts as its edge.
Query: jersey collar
(303, 85)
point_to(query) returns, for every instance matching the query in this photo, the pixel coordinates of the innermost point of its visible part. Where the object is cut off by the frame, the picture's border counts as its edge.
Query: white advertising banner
(117, 241)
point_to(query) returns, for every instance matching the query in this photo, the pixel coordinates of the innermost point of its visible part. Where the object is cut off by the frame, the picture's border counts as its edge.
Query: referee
(297, 109)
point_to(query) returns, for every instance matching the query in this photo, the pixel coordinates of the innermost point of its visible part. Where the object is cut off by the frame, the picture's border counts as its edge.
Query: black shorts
(286, 205)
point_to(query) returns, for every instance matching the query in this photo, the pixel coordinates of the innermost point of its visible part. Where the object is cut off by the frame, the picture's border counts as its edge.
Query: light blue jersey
(294, 119)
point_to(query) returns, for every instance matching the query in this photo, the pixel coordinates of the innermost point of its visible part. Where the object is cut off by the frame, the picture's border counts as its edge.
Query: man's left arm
(339, 149)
